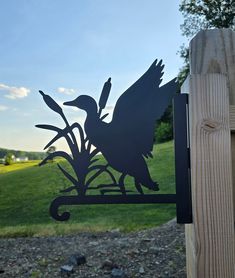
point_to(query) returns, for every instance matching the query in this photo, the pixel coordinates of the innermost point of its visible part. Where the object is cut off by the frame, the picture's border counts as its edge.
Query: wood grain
(232, 117)
(210, 239)
(212, 52)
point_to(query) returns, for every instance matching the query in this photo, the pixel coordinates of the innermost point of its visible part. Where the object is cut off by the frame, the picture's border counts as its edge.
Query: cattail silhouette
(54, 106)
(51, 103)
(105, 94)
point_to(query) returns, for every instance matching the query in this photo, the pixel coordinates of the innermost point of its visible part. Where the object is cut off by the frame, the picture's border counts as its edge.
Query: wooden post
(210, 245)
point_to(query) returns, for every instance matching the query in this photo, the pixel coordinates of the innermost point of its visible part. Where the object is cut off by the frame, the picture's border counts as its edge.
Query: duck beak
(70, 103)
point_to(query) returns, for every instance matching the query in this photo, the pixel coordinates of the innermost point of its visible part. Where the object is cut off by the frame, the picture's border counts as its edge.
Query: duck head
(84, 102)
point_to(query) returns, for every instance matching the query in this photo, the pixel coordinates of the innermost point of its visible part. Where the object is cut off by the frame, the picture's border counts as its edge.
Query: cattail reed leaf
(93, 161)
(104, 116)
(49, 127)
(105, 93)
(67, 175)
(57, 154)
(69, 189)
(51, 103)
(61, 133)
(53, 140)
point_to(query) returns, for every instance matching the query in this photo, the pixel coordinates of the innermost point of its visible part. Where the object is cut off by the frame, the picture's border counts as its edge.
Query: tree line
(198, 15)
(17, 153)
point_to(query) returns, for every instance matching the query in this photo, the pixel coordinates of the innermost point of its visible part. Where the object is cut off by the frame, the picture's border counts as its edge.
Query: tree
(9, 159)
(203, 14)
(162, 133)
(50, 150)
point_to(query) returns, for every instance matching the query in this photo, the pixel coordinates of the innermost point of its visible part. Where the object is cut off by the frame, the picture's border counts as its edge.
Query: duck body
(128, 138)
(123, 156)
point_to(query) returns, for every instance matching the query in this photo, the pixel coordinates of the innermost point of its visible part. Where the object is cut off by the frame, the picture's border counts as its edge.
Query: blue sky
(68, 48)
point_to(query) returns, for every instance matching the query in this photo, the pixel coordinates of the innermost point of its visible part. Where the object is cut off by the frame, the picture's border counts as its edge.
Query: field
(26, 191)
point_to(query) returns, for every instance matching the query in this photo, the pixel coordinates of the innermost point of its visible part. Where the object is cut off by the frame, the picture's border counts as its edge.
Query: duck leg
(121, 184)
(138, 187)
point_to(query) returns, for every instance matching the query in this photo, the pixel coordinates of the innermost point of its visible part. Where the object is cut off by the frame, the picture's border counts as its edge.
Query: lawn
(17, 166)
(26, 191)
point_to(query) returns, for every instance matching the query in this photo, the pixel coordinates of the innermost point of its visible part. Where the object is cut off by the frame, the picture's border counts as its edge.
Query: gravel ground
(157, 252)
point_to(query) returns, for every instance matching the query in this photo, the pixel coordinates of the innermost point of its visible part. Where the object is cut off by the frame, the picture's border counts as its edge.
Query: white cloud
(3, 108)
(14, 92)
(65, 91)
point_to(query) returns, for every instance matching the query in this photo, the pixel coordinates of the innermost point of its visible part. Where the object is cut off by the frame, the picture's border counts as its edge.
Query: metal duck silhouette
(129, 136)
(123, 142)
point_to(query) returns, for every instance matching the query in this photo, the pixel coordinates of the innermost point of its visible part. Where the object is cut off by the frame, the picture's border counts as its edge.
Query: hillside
(26, 193)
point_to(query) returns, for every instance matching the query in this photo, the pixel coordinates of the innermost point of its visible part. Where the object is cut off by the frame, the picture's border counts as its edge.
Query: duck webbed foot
(138, 187)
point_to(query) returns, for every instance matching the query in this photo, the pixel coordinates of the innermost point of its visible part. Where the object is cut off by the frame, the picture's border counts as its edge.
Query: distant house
(21, 159)
(2, 160)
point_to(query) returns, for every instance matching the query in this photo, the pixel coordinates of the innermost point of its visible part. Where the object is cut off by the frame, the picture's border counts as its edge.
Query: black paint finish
(114, 199)
(124, 142)
(129, 136)
(182, 159)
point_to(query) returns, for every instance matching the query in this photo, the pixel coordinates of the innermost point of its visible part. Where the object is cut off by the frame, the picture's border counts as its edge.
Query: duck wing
(138, 108)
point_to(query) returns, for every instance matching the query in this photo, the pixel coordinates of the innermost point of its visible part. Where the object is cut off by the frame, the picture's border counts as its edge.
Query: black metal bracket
(182, 160)
(114, 199)
(182, 198)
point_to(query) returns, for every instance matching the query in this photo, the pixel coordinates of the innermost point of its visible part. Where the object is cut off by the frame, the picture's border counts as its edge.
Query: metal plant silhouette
(124, 142)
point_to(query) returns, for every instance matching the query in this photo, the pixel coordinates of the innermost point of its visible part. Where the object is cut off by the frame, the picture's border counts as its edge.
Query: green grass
(27, 190)
(17, 166)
